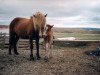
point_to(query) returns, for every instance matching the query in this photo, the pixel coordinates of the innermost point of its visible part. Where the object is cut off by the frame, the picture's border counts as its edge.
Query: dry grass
(65, 61)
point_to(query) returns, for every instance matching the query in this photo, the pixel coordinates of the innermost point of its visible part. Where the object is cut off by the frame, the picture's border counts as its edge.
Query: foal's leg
(15, 42)
(31, 48)
(50, 51)
(37, 47)
(46, 52)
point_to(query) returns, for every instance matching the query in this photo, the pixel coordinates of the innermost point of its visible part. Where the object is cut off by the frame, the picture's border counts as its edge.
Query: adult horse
(27, 29)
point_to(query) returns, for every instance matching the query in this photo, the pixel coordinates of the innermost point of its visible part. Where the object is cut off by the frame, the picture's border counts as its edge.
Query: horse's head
(39, 21)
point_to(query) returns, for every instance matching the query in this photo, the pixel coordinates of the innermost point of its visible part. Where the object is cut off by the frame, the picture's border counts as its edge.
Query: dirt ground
(64, 61)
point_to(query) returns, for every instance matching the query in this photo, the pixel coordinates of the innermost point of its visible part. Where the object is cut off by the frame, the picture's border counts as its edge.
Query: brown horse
(48, 41)
(27, 29)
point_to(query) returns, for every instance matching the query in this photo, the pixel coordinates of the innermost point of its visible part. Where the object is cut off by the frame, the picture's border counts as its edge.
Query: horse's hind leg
(11, 40)
(31, 48)
(15, 42)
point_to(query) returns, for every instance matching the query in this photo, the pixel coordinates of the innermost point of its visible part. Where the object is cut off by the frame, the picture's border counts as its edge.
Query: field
(79, 36)
(66, 60)
(78, 33)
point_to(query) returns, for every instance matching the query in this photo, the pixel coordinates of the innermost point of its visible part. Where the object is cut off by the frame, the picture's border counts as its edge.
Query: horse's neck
(48, 31)
(30, 27)
(31, 23)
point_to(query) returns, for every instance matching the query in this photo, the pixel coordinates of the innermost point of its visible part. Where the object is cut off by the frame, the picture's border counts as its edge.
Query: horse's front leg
(31, 48)
(37, 47)
(42, 32)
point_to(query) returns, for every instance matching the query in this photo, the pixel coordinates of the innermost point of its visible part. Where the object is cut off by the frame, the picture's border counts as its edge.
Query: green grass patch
(79, 36)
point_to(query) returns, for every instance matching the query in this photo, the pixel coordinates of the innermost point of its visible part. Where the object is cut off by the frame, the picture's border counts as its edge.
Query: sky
(61, 13)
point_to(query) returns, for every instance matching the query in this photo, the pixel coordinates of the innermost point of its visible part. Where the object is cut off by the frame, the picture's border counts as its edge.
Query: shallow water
(67, 38)
(4, 30)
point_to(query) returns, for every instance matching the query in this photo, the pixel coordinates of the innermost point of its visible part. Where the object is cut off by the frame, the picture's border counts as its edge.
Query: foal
(48, 41)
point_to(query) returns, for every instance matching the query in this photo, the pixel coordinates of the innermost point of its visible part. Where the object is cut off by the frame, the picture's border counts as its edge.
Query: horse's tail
(12, 26)
(11, 30)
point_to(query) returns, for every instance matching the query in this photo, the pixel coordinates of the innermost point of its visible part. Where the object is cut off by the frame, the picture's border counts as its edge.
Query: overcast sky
(61, 13)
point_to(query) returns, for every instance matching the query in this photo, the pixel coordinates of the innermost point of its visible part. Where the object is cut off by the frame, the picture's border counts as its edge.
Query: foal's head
(49, 27)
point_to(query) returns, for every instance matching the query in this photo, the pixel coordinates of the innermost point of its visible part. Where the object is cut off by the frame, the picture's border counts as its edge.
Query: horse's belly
(23, 35)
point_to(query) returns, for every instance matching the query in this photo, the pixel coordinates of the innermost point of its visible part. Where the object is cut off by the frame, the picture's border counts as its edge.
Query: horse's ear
(46, 15)
(52, 25)
(31, 17)
(34, 16)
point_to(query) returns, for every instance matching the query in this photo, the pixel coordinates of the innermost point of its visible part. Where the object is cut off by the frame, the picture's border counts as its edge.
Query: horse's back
(19, 26)
(17, 21)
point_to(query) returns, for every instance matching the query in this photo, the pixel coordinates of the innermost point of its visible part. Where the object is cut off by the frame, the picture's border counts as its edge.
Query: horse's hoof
(10, 53)
(38, 58)
(46, 59)
(32, 59)
(17, 53)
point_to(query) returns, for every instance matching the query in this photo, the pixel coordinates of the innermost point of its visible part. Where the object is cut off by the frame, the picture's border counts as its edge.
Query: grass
(78, 36)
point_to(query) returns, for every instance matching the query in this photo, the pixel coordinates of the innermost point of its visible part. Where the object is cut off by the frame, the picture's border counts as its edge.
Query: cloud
(60, 12)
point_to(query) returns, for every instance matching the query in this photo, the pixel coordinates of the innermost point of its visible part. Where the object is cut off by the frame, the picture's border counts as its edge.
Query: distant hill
(78, 30)
(92, 29)
(4, 26)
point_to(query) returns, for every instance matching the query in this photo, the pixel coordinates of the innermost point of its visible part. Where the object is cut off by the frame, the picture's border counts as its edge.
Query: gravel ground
(64, 61)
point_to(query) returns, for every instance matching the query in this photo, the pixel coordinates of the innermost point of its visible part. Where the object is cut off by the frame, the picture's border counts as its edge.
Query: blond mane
(39, 21)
